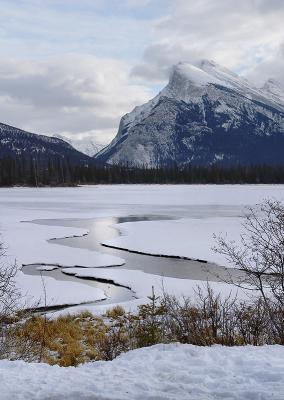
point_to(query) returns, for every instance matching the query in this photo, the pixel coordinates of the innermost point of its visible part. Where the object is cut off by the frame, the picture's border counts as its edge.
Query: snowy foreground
(198, 211)
(161, 372)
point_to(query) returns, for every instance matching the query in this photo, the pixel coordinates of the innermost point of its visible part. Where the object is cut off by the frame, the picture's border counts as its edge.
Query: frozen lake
(161, 220)
(102, 229)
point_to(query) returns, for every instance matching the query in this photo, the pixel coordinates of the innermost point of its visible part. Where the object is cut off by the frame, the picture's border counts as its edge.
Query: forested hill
(18, 144)
(59, 172)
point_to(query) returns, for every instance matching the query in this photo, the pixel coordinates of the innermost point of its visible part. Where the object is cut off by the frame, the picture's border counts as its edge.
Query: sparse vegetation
(205, 320)
(9, 302)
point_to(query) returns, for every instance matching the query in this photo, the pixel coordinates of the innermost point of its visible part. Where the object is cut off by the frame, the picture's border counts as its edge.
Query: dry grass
(66, 341)
(71, 340)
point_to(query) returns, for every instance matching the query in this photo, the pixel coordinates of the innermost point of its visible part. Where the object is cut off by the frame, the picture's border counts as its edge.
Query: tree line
(61, 171)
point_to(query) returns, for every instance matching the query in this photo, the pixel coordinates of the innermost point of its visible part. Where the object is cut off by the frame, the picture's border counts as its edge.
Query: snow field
(162, 372)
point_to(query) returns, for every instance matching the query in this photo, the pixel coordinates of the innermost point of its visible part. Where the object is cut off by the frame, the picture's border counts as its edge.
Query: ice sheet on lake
(204, 209)
(28, 244)
(47, 292)
(191, 237)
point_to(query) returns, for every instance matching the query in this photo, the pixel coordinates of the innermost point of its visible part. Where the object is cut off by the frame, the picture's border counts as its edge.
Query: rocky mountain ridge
(206, 115)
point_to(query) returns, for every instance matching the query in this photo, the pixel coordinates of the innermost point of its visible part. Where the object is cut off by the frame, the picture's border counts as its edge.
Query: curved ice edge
(71, 266)
(56, 307)
(155, 254)
(69, 237)
(103, 280)
(86, 233)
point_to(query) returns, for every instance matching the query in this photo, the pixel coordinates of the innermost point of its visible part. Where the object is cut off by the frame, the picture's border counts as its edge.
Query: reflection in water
(102, 229)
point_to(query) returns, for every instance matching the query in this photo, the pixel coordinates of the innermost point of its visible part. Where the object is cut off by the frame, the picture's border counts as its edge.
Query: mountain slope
(86, 146)
(205, 115)
(16, 143)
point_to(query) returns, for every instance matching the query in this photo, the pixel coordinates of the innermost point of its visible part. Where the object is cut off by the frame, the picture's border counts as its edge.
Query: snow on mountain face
(205, 115)
(85, 146)
(88, 147)
(275, 91)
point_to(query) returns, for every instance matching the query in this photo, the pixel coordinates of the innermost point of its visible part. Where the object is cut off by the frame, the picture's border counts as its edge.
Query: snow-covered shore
(161, 372)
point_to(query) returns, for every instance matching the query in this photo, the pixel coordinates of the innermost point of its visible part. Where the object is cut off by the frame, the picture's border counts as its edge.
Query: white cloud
(272, 67)
(237, 34)
(74, 93)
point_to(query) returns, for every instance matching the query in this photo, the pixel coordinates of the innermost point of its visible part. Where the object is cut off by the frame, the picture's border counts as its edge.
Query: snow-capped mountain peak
(205, 115)
(275, 90)
(189, 81)
(190, 73)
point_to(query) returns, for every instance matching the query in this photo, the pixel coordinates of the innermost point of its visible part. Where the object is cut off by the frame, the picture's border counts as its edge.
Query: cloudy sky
(76, 66)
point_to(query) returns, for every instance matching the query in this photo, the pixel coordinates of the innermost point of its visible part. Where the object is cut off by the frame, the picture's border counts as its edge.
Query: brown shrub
(205, 320)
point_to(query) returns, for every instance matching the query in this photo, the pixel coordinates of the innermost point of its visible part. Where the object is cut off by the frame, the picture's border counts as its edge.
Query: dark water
(101, 229)
(114, 293)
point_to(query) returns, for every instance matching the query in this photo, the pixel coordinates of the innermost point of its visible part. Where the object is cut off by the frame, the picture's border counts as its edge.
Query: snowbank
(161, 372)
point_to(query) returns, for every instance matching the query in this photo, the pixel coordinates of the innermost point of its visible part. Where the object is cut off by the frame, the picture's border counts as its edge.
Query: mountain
(206, 115)
(86, 146)
(16, 143)
(274, 90)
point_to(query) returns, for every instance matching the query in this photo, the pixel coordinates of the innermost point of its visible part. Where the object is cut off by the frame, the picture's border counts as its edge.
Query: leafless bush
(12, 315)
(253, 324)
(9, 294)
(260, 257)
(209, 319)
(205, 320)
(114, 341)
(9, 301)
